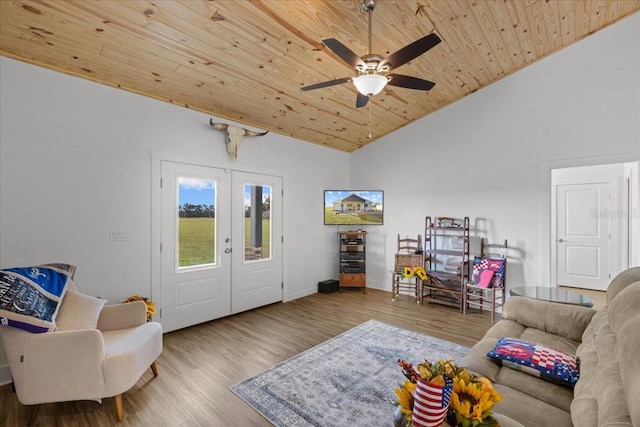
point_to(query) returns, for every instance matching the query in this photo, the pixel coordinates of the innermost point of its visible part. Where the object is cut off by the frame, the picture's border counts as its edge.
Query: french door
(221, 241)
(257, 267)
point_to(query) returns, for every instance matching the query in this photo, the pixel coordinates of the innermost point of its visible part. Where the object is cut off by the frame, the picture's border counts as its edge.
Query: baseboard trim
(5, 375)
(300, 294)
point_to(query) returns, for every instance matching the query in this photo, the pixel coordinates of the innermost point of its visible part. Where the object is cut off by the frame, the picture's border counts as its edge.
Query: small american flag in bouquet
(431, 402)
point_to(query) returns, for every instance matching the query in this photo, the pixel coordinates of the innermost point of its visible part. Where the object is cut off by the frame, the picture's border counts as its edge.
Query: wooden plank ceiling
(247, 60)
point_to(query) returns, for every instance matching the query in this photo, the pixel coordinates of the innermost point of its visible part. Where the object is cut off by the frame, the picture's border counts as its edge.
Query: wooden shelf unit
(353, 259)
(447, 260)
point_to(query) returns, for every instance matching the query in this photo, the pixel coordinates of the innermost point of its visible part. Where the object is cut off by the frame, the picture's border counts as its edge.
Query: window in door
(257, 222)
(196, 222)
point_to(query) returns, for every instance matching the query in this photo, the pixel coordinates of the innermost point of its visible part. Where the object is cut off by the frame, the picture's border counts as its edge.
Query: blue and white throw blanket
(30, 297)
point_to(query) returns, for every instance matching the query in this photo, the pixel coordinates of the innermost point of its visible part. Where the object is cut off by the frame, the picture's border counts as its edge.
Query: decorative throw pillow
(537, 360)
(497, 266)
(30, 296)
(483, 279)
(79, 311)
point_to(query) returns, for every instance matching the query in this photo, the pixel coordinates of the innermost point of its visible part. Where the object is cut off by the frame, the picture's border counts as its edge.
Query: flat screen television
(353, 207)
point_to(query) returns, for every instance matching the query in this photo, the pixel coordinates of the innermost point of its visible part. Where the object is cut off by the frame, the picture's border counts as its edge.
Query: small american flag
(431, 403)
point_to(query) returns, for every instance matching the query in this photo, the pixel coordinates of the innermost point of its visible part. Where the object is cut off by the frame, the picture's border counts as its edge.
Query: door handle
(227, 250)
(560, 240)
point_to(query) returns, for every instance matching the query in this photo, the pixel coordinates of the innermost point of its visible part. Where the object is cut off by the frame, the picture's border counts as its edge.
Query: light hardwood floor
(200, 363)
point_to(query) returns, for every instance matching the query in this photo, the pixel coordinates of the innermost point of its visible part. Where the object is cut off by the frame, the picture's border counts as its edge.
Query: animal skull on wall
(234, 136)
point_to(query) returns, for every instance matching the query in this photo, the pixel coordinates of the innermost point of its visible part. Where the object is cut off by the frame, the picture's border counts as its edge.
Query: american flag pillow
(538, 360)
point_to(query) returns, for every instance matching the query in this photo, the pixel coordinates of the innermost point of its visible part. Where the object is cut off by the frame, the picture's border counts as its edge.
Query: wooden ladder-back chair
(487, 288)
(409, 254)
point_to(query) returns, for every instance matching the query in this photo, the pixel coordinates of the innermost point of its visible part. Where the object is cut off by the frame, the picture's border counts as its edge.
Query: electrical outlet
(118, 236)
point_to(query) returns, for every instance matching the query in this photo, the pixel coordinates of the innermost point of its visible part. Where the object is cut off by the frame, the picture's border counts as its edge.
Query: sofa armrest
(57, 366)
(122, 316)
(565, 320)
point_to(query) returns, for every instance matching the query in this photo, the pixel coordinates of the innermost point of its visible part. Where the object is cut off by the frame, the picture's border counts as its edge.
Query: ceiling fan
(373, 70)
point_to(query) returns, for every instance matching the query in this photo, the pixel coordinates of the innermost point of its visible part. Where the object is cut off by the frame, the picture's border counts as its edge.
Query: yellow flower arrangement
(405, 399)
(472, 398)
(151, 307)
(411, 272)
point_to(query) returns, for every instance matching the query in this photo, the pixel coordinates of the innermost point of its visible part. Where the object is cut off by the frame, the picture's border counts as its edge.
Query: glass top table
(551, 294)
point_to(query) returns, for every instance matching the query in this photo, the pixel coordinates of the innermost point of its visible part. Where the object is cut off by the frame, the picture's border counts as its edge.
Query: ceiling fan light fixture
(370, 84)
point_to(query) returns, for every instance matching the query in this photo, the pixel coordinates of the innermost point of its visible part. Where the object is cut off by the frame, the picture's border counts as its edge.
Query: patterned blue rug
(345, 381)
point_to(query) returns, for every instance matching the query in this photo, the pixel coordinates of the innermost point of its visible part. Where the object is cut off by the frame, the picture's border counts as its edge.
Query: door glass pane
(257, 222)
(196, 221)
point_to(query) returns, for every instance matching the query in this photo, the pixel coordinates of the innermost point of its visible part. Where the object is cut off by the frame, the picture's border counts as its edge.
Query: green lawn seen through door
(196, 237)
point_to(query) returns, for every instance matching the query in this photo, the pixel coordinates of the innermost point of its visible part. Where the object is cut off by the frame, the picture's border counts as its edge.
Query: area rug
(345, 381)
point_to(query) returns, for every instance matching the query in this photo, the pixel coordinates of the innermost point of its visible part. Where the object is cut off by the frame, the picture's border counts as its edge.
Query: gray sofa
(607, 343)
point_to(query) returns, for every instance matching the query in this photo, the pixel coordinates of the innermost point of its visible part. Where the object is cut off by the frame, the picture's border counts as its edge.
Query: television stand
(352, 251)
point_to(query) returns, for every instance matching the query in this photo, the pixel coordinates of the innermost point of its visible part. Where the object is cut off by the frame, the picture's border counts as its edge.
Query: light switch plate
(118, 236)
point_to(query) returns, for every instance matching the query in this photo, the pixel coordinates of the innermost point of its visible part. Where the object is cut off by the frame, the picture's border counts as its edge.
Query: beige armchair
(84, 364)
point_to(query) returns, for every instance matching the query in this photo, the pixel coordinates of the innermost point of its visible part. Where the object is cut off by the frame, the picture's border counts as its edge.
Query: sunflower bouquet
(472, 397)
(151, 307)
(411, 272)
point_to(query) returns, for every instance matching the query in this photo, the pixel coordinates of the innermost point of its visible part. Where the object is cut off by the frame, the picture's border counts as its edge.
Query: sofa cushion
(621, 281)
(624, 319)
(549, 392)
(564, 320)
(30, 297)
(528, 410)
(625, 310)
(79, 311)
(599, 397)
(551, 340)
(476, 360)
(537, 359)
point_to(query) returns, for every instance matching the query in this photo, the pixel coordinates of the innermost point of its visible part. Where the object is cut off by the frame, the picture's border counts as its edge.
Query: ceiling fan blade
(361, 100)
(346, 54)
(328, 83)
(409, 52)
(409, 82)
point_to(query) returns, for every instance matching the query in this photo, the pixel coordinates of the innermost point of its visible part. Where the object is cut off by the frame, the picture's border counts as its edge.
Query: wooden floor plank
(200, 363)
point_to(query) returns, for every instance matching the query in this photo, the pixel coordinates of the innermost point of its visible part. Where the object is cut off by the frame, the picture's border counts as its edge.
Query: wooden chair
(409, 254)
(493, 296)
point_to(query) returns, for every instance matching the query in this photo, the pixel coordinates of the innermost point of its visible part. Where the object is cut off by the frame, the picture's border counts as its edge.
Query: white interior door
(583, 235)
(195, 255)
(257, 241)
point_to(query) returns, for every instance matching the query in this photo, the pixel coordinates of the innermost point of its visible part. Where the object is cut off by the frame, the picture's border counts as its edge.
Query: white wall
(489, 155)
(75, 162)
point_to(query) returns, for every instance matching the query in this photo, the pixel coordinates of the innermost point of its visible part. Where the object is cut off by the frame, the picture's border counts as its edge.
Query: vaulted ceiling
(246, 60)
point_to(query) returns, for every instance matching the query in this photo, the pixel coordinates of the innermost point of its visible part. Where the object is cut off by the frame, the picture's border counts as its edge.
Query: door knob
(560, 240)
(227, 250)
